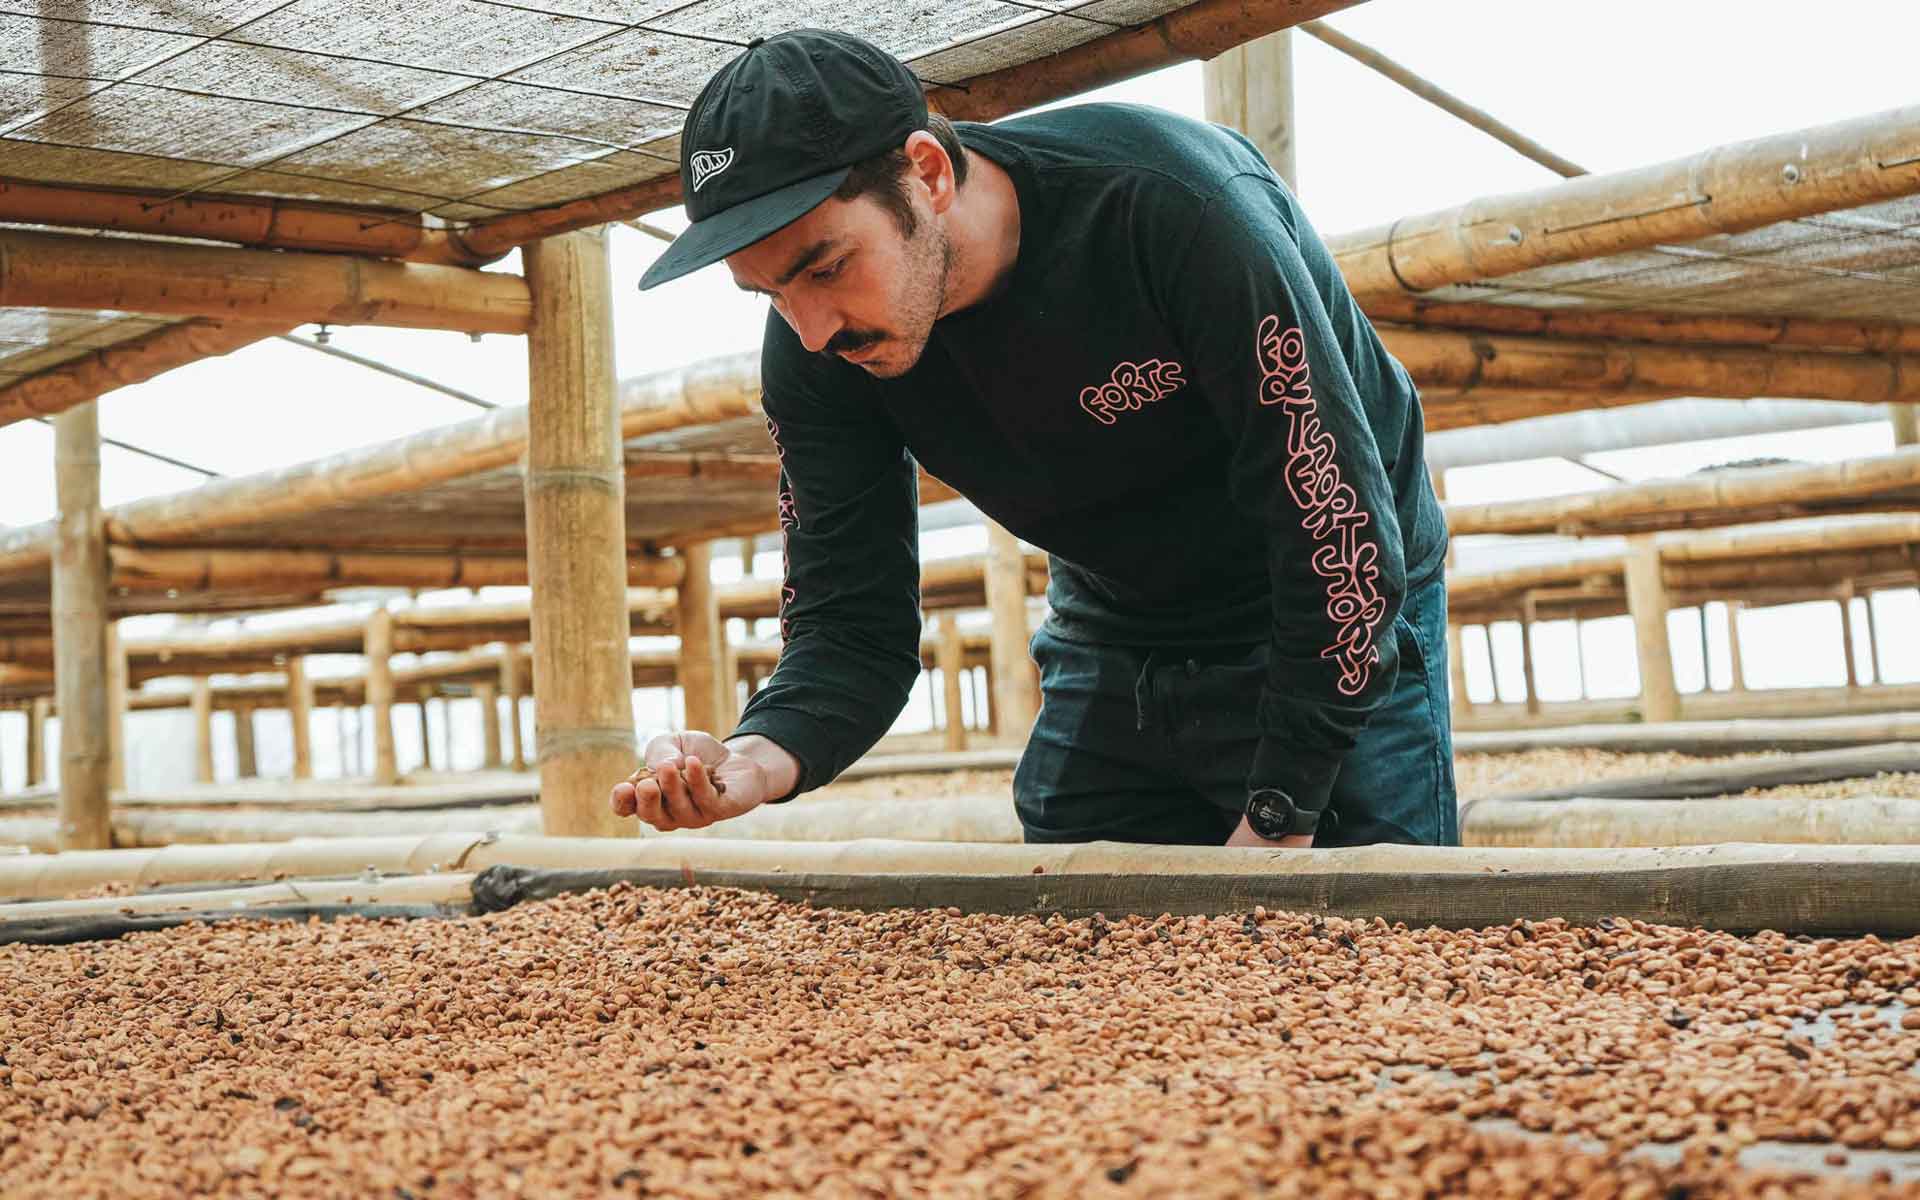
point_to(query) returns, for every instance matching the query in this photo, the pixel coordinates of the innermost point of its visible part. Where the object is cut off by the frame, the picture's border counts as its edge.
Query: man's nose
(815, 324)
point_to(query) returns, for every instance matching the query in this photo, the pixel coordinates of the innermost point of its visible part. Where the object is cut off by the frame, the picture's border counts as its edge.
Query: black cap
(775, 131)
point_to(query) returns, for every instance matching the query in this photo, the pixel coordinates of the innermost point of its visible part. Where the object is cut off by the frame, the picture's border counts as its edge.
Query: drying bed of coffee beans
(710, 1042)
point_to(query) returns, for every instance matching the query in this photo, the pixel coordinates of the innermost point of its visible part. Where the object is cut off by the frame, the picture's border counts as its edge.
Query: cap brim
(707, 242)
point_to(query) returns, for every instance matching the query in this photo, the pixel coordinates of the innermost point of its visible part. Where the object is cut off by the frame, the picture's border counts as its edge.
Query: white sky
(1610, 87)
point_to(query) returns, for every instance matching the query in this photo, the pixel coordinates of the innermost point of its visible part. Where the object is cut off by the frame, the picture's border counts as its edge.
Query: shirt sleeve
(1246, 310)
(850, 602)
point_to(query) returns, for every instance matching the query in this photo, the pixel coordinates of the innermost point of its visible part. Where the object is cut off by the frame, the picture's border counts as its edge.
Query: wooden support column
(1579, 659)
(577, 540)
(1706, 651)
(1456, 643)
(378, 648)
(300, 715)
(116, 710)
(702, 638)
(489, 697)
(728, 695)
(426, 730)
(80, 633)
(1647, 602)
(1493, 665)
(203, 729)
(1733, 646)
(1873, 642)
(1529, 613)
(1846, 637)
(950, 657)
(1016, 681)
(1906, 423)
(1250, 87)
(244, 752)
(510, 684)
(37, 713)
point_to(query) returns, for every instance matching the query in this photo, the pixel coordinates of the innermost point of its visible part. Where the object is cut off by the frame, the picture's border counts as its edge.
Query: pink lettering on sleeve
(1330, 511)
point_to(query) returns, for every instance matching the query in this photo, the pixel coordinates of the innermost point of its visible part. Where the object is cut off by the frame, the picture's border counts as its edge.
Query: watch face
(1270, 813)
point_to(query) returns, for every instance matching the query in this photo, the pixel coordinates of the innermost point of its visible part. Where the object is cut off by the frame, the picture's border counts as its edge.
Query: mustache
(847, 341)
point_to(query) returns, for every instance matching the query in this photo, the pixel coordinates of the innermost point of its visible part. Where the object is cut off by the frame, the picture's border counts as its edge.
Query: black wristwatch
(1272, 814)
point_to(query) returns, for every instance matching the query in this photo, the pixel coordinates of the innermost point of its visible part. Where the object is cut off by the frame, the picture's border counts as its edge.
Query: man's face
(850, 282)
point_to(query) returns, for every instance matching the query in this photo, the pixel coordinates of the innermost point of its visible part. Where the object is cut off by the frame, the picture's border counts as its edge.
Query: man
(1114, 331)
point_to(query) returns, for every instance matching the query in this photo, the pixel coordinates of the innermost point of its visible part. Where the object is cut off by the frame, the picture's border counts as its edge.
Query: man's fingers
(647, 805)
(623, 799)
(700, 787)
(676, 801)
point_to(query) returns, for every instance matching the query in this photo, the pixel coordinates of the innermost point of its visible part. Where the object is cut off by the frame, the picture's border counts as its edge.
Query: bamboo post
(746, 557)
(379, 655)
(1846, 636)
(950, 658)
(1733, 646)
(244, 752)
(80, 633)
(727, 694)
(37, 713)
(1873, 641)
(426, 730)
(1250, 87)
(576, 540)
(1493, 667)
(203, 729)
(1906, 424)
(489, 697)
(1647, 603)
(510, 684)
(116, 710)
(702, 636)
(1016, 682)
(300, 715)
(1579, 660)
(1529, 612)
(1706, 651)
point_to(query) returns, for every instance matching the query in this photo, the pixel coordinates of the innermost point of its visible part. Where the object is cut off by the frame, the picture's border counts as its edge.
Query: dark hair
(883, 177)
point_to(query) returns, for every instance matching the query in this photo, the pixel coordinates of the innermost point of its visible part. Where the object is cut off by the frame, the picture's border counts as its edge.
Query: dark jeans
(1133, 745)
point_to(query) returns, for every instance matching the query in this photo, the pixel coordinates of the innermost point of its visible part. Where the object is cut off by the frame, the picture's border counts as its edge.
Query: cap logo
(708, 163)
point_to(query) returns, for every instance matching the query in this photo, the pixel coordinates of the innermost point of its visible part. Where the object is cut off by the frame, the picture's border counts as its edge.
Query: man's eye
(826, 273)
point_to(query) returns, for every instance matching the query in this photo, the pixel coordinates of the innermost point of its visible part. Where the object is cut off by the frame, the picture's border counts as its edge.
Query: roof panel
(637, 64)
(79, 50)
(618, 169)
(613, 120)
(103, 168)
(205, 17)
(456, 35)
(293, 77)
(439, 160)
(902, 27)
(23, 97)
(177, 124)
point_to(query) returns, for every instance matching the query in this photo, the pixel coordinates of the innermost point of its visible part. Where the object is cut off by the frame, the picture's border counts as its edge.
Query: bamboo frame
(116, 682)
(1250, 87)
(37, 713)
(285, 287)
(703, 636)
(1016, 681)
(80, 635)
(576, 540)
(226, 569)
(1724, 498)
(1672, 329)
(511, 687)
(377, 645)
(245, 756)
(203, 730)
(1725, 189)
(1647, 601)
(125, 363)
(488, 696)
(950, 655)
(299, 693)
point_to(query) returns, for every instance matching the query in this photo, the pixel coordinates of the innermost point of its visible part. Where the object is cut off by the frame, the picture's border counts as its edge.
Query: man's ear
(927, 162)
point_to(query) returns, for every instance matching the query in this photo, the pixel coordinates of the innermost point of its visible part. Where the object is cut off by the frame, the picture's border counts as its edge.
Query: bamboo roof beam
(144, 570)
(1719, 498)
(1674, 329)
(1467, 363)
(93, 375)
(1725, 189)
(56, 270)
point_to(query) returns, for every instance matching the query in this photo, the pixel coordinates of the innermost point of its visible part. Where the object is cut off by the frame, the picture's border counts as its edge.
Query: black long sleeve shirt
(1174, 395)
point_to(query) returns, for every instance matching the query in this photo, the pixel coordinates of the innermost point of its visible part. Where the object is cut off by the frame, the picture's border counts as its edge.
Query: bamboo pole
(153, 570)
(57, 270)
(1647, 602)
(1734, 660)
(1845, 601)
(116, 666)
(348, 740)
(1906, 420)
(951, 655)
(203, 730)
(1873, 641)
(1016, 682)
(1706, 652)
(244, 752)
(1666, 328)
(1722, 498)
(1528, 614)
(300, 715)
(576, 540)
(702, 635)
(378, 642)
(80, 634)
(1466, 363)
(1579, 662)
(79, 380)
(248, 221)
(37, 713)
(1480, 119)
(426, 733)
(510, 684)
(1201, 30)
(1722, 190)
(489, 697)
(1250, 87)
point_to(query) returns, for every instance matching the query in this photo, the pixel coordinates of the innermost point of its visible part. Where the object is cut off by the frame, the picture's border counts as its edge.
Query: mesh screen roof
(458, 108)
(36, 339)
